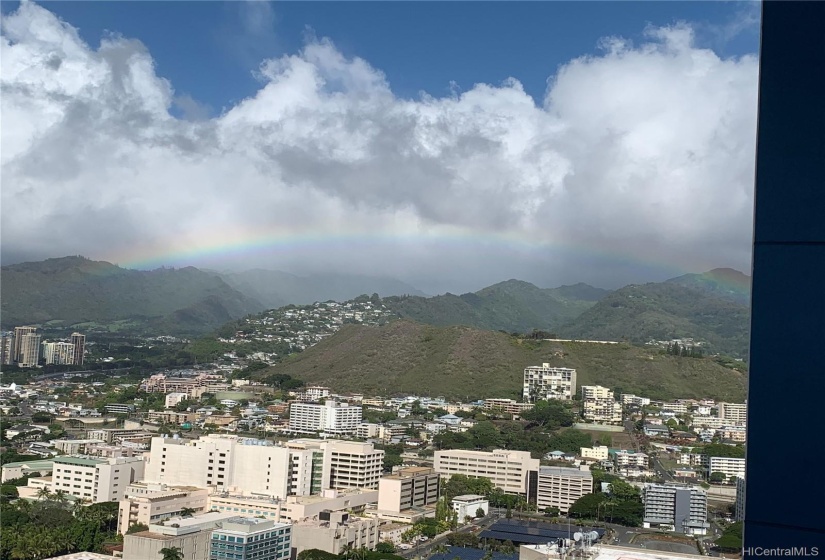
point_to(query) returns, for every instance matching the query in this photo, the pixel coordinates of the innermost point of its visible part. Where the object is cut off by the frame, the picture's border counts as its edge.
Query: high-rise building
(79, 344)
(146, 504)
(407, 488)
(6, 349)
(739, 512)
(545, 382)
(17, 343)
(514, 472)
(676, 507)
(29, 350)
(351, 464)
(331, 417)
(561, 486)
(58, 353)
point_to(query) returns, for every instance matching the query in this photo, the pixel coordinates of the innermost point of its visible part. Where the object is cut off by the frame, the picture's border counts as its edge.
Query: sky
(448, 144)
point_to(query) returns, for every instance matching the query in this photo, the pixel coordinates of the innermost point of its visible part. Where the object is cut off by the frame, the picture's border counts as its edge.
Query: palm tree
(43, 493)
(61, 496)
(173, 553)
(187, 512)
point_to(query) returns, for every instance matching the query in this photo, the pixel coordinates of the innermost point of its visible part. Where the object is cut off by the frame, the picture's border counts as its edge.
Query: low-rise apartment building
(514, 472)
(561, 486)
(729, 466)
(597, 452)
(633, 400)
(470, 505)
(507, 406)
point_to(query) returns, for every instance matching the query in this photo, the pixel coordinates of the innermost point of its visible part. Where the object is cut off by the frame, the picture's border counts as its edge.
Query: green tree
(137, 528)
(551, 511)
(731, 539)
(187, 512)
(385, 547)
(717, 477)
(171, 553)
(480, 512)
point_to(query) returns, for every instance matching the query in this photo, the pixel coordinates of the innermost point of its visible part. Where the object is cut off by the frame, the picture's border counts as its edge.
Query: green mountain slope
(514, 306)
(724, 283)
(74, 290)
(664, 311)
(466, 363)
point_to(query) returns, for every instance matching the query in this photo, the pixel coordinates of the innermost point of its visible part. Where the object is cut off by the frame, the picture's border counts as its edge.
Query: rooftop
(469, 498)
(82, 461)
(564, 471)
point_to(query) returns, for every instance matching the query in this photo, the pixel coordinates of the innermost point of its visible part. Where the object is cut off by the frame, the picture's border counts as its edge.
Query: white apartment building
(561, 486)
(729, 466)
(599, 452)
(625, 458)
(676, 507)
(407, 488)
(316, 393)
(545, 382)
(331, 417)
(633, 400)
(148, 504)
(95, 479)
(675, 407)
(58, 353)
(735, 413)
(367, 430)
(507, 469)
(711, 422)
(603, 411)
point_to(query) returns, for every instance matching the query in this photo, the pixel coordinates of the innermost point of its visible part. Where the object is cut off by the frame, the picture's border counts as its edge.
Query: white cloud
(645, 151)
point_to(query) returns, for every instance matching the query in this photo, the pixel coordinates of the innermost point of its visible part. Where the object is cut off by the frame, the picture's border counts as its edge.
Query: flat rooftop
(81, 461)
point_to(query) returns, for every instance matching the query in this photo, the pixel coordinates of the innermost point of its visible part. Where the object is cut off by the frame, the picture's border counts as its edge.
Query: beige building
(596, 392)
(545, 382)
(508, 470)
(560, 487)
(734, 413)
(192, 535)
(350, 464)
(147, 503)
(508, 406)
(17, 341)
(599, 452)
(408, 488)
(29, 350)
(96, 479)
(599, 405)
(334, 532)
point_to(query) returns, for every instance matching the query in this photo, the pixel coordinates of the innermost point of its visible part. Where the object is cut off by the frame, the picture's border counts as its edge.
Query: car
(423, 538)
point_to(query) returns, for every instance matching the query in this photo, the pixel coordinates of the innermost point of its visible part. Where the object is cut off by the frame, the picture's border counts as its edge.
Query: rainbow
(222, 245)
